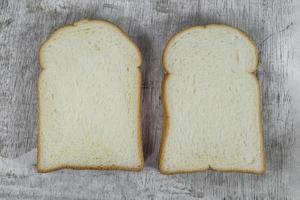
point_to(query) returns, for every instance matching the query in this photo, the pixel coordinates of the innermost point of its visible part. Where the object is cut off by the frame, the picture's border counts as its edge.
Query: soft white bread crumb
(212, 104)
(89, 99)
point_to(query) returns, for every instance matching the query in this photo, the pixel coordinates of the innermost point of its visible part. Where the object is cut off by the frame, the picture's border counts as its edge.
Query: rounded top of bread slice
(112, 37)
(226, 41)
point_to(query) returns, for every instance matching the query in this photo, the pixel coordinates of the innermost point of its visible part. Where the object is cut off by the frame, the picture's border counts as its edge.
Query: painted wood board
(25, 24)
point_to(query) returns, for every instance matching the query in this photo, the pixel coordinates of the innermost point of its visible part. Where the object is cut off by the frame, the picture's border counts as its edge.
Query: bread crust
(166, 121)
(139, 121)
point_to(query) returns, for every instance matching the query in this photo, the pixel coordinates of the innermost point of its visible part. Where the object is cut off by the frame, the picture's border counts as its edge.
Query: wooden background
(24, 24)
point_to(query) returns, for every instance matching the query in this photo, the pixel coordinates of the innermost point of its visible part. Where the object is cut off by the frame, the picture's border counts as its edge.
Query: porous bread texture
(89, 99)
(211, 101)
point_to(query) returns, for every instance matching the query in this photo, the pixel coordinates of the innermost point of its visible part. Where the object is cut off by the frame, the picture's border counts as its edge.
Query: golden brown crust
(262, 147)
(112, 167)
(217, 170)
(139, 122)
(166, 123)
(139, 128)
(165, 126)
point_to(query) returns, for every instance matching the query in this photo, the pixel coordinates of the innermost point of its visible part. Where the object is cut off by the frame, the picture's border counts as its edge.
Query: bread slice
(89, 99)
(211, 101)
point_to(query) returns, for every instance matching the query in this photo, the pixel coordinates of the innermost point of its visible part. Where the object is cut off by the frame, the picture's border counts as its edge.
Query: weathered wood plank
(25, 24)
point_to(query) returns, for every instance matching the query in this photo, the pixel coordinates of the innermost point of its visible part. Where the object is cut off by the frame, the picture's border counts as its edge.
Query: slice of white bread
(89, 99)
(211, 101)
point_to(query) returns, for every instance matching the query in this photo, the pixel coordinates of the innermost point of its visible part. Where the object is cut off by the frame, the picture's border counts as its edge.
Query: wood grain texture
(24, 24)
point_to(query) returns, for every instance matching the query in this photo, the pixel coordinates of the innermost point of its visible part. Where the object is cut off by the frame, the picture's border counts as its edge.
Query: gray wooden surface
(24, 24)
